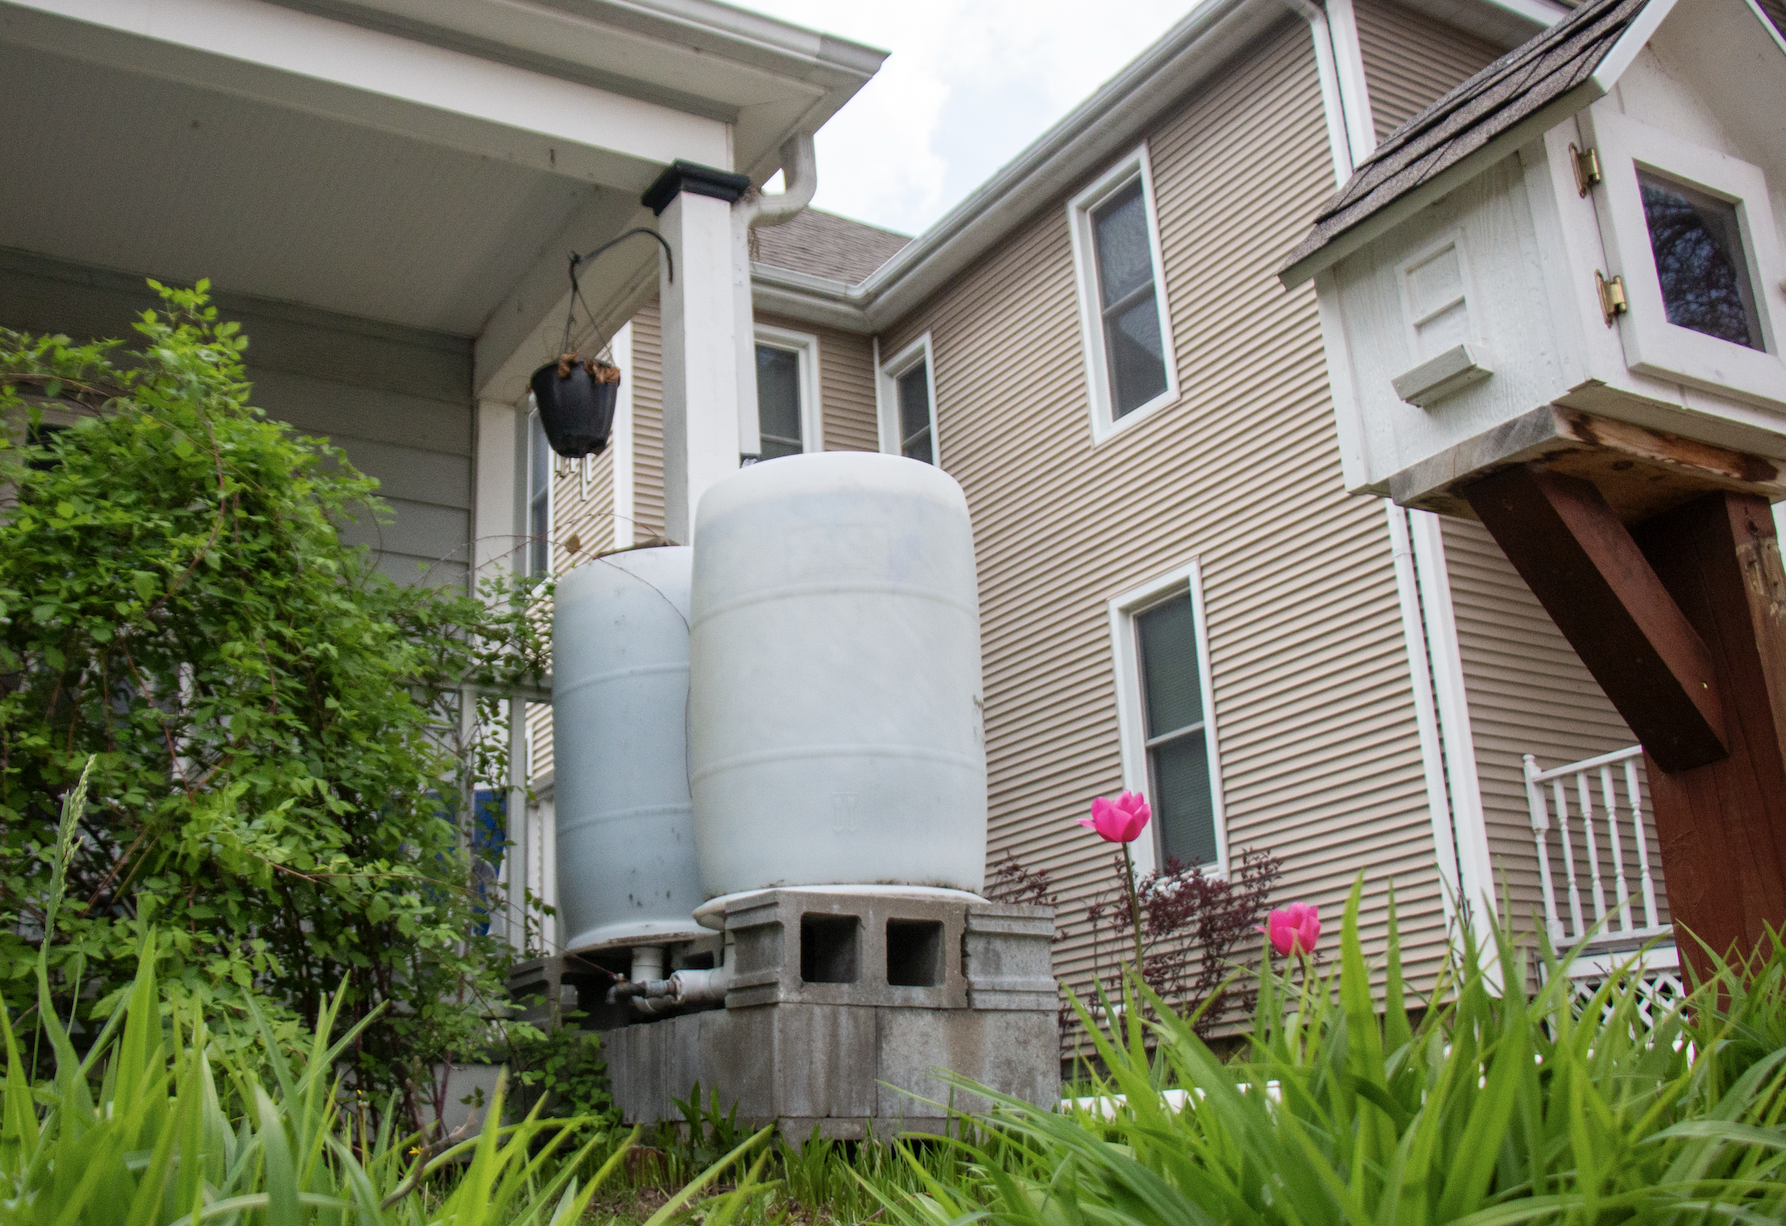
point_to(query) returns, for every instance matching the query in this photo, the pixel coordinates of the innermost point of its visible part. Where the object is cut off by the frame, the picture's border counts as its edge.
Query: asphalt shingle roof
(826, 245)
(1517, 85)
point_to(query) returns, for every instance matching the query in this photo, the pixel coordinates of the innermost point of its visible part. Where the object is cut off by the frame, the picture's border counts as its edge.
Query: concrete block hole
(828, 948)
(914, 953)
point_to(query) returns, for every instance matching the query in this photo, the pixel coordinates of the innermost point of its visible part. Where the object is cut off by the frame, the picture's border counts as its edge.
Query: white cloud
(968, 85)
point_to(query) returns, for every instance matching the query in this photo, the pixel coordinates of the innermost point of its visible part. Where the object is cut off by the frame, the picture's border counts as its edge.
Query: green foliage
(159, 1124)
(563, 1068)
(1494, 1108)
(280, 756)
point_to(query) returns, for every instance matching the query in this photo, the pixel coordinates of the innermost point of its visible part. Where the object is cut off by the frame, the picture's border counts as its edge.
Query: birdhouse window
(1690, 231)
(1701, 265)
(1125, 325)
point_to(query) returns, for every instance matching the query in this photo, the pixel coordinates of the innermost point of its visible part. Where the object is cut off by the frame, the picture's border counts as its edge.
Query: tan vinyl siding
(648, 424)
(1411, 59)
(1528, 692)
(583, 514)
(1313, 702)
(846, 385)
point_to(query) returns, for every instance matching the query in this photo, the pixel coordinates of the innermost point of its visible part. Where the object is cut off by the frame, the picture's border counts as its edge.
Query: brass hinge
(1612, 297)
(1587, 169)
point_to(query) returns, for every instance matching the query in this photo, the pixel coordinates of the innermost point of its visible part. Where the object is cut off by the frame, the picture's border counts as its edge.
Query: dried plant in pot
(576, 395)
(576, 398)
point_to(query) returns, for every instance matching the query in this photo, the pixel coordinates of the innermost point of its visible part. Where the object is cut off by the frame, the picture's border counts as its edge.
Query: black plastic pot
(576, 412)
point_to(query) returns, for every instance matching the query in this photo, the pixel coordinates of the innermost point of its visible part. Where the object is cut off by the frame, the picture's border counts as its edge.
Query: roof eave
(1100, 128)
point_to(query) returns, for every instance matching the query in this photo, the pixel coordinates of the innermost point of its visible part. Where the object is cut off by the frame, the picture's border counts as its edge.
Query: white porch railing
(1603, 797)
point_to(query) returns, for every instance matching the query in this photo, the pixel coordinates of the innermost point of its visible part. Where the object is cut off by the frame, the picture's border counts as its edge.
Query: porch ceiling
(126, 171)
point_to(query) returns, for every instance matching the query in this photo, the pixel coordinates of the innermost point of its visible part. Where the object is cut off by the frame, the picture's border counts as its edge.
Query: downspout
(800, 174)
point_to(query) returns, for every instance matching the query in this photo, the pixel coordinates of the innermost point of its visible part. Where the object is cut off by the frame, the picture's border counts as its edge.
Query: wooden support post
(1588, 572)
(1682, 621)
(1723, 825)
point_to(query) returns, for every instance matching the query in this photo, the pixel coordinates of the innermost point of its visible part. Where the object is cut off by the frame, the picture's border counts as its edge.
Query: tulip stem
(1128, 864)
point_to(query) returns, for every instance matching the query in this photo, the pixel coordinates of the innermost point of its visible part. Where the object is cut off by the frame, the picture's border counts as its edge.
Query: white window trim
(805, 346)
(1131, 720)
(533, 413)
(1652, 345)
(622, 442)
(1091, 327)
(887, 396)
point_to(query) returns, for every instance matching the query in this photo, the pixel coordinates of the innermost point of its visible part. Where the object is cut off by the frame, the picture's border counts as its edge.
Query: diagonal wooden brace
(1590, 575)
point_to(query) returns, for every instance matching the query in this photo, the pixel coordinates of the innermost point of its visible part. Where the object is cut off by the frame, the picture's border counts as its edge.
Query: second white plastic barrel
(626, 853)
(835, 722)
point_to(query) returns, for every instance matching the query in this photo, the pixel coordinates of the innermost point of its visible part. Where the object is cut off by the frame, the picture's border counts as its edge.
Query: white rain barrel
(626, 854)
(835, 732)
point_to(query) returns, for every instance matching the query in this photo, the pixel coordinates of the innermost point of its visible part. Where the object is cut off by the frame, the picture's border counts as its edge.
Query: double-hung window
(908, 404)
(788, 418)
(1166, 719)
(1124, 323)
(539, 499)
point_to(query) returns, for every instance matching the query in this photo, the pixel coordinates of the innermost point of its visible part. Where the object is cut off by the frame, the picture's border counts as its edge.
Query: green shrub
(1493, 1108)
(279, 759)
(159, 1124)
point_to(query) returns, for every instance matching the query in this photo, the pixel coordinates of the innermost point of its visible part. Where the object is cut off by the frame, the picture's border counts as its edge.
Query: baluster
(1634, 796)
(1540, 833)
(1561, 797)
(1611, 808)
(1585, 795)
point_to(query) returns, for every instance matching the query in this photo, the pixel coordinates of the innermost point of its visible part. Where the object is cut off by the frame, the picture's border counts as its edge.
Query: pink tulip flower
(1295, 929)
(1118, 821)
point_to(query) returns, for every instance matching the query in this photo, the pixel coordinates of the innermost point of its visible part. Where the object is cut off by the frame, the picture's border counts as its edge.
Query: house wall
(1411, 59)
(396, 400)
(1312, 692)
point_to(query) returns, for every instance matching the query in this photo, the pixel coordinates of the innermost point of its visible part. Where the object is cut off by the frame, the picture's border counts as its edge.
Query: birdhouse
(1573, 258)
(1555, 301)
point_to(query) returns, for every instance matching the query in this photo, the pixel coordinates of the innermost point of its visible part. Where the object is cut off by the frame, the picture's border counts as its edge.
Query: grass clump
(1493, 1108)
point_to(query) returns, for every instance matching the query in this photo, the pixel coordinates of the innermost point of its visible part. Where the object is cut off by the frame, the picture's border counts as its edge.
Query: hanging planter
(576, 399)
(576, 395)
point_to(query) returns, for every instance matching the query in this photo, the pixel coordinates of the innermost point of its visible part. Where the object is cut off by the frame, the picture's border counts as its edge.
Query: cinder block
(1013, 1052)
(1008, 957)
(834, 994)
(812, 947)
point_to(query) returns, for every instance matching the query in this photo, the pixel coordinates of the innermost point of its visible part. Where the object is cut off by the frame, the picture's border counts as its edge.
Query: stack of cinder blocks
(843, 1007)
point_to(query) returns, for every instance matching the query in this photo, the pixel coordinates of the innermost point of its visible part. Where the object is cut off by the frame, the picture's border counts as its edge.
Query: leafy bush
(280, 761)
(160, 1124)
(1493, 1108)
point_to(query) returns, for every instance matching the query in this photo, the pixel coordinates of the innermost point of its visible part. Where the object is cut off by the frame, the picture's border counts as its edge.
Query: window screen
(1698, 245)
(915, 441)
(778, 401)
(1134, 350)
(1175, 726)
(539, 499)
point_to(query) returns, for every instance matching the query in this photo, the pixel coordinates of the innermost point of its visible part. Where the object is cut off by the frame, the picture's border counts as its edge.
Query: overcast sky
(969, 83)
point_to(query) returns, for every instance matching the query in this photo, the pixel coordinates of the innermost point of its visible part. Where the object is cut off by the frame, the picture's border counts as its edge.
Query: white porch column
(700, 337)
